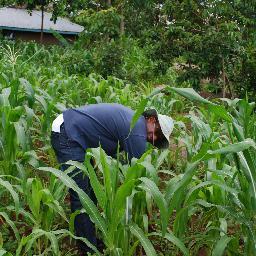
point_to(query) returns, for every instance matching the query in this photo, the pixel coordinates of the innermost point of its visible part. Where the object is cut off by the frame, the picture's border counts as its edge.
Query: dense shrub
(100, 25)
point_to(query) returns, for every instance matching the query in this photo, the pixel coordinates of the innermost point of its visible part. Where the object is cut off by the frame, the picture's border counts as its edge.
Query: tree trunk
(122, 22)
(42, 24)
(223, 79)
(109, 2)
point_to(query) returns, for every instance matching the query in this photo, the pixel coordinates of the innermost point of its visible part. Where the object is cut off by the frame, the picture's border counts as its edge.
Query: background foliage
(210, 43)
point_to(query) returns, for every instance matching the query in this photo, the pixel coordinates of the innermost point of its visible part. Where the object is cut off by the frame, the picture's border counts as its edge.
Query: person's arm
(135, 146)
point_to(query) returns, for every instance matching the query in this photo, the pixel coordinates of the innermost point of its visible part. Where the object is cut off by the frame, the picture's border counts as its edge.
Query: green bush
(136, 65)
(108, 59)
(77, 61)
(100, 25)
(125, 59)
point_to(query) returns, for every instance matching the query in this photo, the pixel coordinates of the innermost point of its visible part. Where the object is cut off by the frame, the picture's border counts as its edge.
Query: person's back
(106, 125)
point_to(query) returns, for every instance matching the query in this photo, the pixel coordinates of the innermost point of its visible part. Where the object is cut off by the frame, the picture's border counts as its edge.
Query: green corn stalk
(16, 117)
(43, 207)
(244, 195)
(112, 197)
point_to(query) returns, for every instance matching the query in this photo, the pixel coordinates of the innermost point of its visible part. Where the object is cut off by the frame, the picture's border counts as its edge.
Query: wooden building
(18, 23)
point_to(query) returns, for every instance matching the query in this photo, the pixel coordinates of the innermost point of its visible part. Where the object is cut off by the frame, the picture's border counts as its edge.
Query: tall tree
(212, 36)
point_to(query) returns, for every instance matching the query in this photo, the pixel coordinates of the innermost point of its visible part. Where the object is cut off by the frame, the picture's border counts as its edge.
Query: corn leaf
(107, 176)
(145, 242)
(11, 224)
(220, 111)
(161, 158)
(180, 222)
(175, 196)
(119, 203)
(220, 246)
(49, 200)
(248, 173)
(37, 233)
(5, 253)
(2, 252)
(220, 184)
(159, 199)
(176, 241)
(96, 185)
(234, 148)
(78, 165)
(87, 203)
(190, 94)
(14, 195)
(138, 112)
(21, 135)
(62, 232)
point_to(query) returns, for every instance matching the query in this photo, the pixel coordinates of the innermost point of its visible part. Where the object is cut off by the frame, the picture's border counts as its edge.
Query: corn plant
(115, 188)
(35, 208)
(214, 128)
(229, 194)
(16, 118)
(10, 55)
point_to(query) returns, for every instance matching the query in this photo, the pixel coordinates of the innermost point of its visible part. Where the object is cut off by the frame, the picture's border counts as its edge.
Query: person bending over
(106, 125)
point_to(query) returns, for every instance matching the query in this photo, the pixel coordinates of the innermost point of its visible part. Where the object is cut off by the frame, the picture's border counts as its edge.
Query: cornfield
(197, 197)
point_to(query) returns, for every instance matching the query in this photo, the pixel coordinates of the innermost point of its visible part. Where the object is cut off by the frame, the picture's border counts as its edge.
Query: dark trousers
(67, 149)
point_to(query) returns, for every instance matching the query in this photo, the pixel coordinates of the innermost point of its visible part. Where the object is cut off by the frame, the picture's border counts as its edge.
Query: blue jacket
(106, 125)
